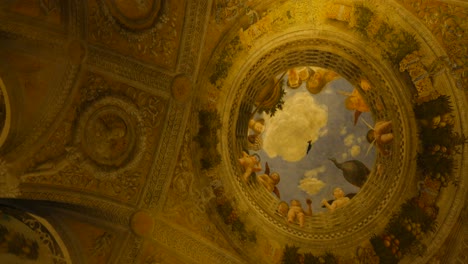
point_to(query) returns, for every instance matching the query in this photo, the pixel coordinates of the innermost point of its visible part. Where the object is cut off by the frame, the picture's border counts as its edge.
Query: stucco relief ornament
(9, 184)
(135, 14)
(109, 137)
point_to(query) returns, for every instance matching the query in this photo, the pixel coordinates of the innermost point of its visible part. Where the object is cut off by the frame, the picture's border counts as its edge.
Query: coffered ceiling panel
(149, 31)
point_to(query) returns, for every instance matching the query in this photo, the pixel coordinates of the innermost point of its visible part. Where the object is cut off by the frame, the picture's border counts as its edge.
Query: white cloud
(311, 185)
(355, 151)
(349, 140)
(302, 119)
(315, 172)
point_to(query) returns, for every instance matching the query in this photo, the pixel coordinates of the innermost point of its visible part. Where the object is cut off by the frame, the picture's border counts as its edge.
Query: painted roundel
(109, 139)
(312, 137)
(108, 132)
(135, 14)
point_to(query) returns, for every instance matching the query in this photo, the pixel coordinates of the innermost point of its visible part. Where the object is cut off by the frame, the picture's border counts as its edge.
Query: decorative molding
(187, 200)
(181, 88)
(58, 103)
(194, 248)
(156, 45)
(110, 134)
(131, 249)
(107, 61)
(166, 156)
(37, 35)
(134, 16)
(447, 23)
(78, 201)
(130, 133)
(194, 31)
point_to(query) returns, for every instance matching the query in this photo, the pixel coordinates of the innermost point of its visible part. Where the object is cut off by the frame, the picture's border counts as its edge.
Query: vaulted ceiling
(124, 124)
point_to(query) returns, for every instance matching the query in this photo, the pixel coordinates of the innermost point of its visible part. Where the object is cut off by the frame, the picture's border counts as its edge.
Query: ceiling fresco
(233, 131)
(315, 140)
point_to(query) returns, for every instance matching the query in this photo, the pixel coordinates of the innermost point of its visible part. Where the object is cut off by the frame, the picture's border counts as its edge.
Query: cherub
(283, 209)
(340, 200)
(269, 181)
(297, 213)
(258, 126)
(305, 73)
(354, 101)
(254, 142)
(380, 135)
(251, 163)
(293, 79)
(298, 75)
(319, 79)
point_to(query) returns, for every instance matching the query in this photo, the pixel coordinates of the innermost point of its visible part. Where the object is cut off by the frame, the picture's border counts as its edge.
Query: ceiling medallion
(109, 135)
(135, 14)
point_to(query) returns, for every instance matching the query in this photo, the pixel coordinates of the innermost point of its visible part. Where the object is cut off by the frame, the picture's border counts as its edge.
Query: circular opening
(328, 82)
(310, 138)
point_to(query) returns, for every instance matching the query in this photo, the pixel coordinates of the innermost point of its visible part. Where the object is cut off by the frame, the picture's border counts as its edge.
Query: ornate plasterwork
(181, 88)
(133, 247)
(448, 24)
(188, 199)
(194, 27)
(132, 119)
(135, 14)
(104, 209)
(60, 99)
(165, 161)
(153, 80)
(191, 247)
(157, 45)
(109, 134)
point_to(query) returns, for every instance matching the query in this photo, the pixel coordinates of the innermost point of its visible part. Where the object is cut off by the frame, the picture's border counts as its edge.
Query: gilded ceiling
(233, 131)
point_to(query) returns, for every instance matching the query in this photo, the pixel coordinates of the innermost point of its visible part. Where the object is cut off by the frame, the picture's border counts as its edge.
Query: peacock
(354, 171)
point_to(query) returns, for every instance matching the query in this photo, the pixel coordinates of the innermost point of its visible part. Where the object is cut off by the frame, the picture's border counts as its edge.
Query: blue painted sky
(340, 136)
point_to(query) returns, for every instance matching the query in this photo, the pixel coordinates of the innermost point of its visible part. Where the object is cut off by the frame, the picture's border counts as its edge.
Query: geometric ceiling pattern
(233, 131)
